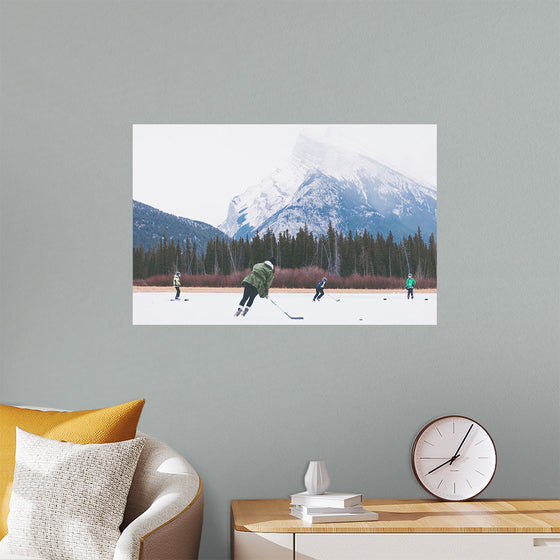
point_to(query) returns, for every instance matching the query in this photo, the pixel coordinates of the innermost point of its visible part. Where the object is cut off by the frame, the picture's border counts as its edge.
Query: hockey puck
(361, 319)
(425, 299)
(385, 298)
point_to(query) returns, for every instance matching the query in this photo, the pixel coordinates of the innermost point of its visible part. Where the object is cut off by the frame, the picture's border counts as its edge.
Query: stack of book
(330, 507)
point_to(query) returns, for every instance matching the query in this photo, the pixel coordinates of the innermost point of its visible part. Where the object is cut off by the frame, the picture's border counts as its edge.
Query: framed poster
(285, 224)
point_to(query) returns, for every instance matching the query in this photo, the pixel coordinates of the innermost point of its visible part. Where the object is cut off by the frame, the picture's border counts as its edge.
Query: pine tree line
(364, 253)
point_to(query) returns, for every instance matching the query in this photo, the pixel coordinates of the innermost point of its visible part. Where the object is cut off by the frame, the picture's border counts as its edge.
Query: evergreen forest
(353, 255)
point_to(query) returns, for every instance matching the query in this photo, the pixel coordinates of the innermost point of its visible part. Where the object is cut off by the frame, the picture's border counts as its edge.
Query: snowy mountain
(322, 182)
(150, 224)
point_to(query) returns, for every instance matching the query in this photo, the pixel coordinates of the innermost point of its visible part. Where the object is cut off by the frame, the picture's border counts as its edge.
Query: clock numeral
(482, 474)
(440, 483)
(468, 482)
(438, 432)
(479, 442)
(426, 441)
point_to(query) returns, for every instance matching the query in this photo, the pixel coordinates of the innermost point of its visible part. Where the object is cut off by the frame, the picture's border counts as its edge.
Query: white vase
(316, 478)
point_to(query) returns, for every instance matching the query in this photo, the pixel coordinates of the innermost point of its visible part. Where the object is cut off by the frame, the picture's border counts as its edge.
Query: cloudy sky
(195, 170)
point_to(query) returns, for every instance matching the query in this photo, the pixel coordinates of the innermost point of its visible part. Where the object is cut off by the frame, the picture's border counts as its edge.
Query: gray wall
(250, 406)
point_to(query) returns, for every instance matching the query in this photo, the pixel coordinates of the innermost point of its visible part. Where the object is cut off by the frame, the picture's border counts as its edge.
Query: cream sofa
(163, 517)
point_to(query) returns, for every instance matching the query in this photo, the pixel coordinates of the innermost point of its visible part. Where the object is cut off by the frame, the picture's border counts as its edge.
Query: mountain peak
(322, 182)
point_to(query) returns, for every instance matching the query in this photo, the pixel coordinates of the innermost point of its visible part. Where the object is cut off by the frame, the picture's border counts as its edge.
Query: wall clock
(454, 458)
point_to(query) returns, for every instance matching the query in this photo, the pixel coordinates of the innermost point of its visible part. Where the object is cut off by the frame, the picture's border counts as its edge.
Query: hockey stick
(287, 314)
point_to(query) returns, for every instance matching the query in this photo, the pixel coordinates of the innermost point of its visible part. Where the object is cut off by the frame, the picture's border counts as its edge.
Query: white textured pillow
(68, 499)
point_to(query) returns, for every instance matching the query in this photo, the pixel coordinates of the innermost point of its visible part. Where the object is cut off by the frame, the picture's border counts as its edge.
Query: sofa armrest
(163, 517)
(161, 533)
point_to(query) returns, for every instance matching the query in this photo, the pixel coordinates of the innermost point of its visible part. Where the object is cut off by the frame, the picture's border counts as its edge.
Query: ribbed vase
(316, 478)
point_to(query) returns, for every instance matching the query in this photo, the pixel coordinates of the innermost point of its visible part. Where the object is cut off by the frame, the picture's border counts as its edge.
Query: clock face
(454, 458)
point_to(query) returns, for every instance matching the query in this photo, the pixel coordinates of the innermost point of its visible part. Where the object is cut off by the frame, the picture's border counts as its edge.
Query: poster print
(284, 225)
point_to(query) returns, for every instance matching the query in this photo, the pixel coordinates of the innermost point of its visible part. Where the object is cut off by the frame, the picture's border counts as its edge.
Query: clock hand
(446, 462)
(460, 445)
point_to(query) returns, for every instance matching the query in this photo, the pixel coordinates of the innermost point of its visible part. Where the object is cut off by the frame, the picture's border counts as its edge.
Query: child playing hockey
(410, 283)
(257, 282)
(319, 289)
(177, 284)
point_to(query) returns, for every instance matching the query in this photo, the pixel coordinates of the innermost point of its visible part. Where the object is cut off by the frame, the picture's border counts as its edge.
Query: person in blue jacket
(320, 289)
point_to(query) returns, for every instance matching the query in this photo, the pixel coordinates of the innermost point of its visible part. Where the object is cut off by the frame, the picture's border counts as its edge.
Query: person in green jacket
(410, 283)
(257, 282)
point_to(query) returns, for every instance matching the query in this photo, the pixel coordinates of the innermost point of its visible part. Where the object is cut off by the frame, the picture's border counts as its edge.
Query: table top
(409, 516)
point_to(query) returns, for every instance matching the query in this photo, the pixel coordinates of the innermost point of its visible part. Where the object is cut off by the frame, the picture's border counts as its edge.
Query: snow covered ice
(209, 308)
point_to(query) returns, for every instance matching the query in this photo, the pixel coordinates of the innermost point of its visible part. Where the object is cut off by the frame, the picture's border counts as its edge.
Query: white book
(364, 515)
(328, 499)
(312, 510)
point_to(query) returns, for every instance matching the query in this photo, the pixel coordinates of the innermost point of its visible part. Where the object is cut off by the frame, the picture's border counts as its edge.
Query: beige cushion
(17, 557)
(68, 499)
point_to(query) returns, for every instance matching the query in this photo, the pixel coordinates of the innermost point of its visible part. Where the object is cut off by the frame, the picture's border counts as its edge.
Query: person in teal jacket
(257, 282)
(410, 283)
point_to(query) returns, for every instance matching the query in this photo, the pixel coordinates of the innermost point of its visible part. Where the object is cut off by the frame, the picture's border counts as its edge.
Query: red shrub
(302, 278)
(160, 280)
(213, 280)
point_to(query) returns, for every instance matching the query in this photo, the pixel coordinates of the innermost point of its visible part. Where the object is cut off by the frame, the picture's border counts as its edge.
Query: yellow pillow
(104, 425)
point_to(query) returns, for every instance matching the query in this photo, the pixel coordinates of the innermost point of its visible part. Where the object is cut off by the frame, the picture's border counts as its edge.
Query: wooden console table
(406, 530)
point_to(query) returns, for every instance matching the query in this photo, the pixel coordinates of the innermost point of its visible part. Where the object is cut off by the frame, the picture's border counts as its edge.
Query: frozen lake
(209, 308)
